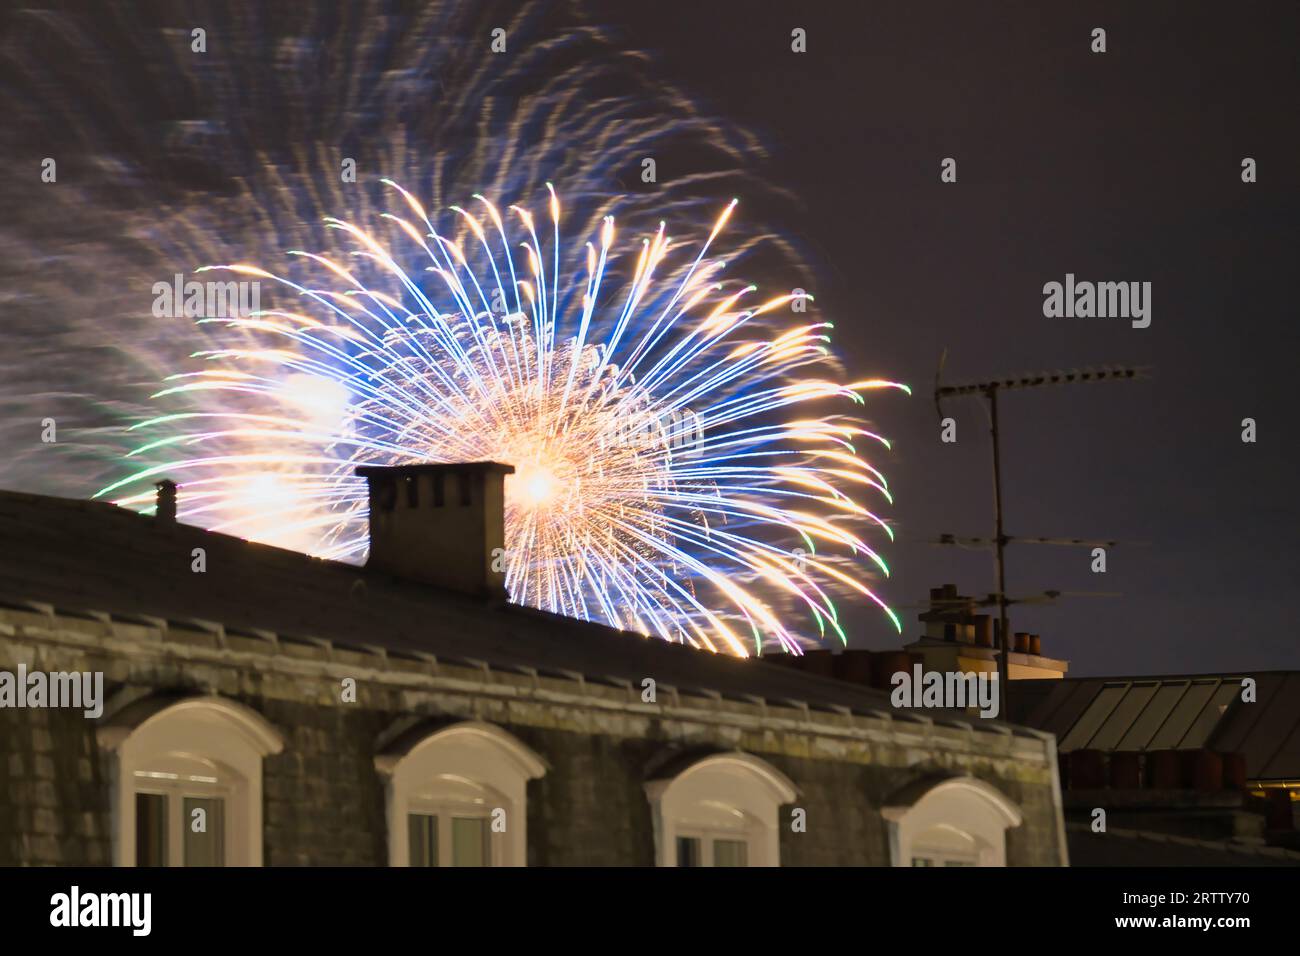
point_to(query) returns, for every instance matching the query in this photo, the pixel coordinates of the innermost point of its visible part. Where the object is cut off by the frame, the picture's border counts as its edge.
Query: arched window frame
(195, 747)
(957, 820)
(731, 796)
(468, 769)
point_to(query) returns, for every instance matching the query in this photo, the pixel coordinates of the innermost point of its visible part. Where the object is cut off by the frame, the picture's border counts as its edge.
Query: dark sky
(1122, 167)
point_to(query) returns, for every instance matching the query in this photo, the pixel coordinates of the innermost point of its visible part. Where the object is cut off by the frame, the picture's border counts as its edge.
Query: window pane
(1209, 718)
(1156, 713)
(150, 829)
(205, 831)
(1122, 717)
(1175, 726)
(469, 846)
(688, 851)
(423, 829)
(1087, 725)
(922, 861)
(730, 853)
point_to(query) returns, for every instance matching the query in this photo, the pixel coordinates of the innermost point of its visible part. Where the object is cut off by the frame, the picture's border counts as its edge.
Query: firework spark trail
(231, 162)
(591, 384)
(169, 160)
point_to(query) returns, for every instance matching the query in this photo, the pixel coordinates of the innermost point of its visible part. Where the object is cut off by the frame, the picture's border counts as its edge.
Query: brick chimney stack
(958, 638)
(440, 524)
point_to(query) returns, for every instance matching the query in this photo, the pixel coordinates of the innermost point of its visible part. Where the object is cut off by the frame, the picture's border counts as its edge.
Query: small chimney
(440, 524)
(166, 501)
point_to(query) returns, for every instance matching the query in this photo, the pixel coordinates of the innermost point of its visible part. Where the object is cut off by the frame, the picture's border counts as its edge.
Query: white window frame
(449, 797)
(220, 735)
(435, 774)
(748, 836)
(732, 796)
(958, 820)
(174, 778)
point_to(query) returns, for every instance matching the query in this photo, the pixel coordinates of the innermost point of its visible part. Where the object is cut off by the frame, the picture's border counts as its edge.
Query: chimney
(166, 501)
(439, 524)
(949, 615)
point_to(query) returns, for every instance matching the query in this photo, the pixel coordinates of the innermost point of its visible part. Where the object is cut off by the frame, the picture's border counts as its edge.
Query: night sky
(1122, 166)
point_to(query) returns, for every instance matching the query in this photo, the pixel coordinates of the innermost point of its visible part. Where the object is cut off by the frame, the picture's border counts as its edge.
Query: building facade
(275, 709)
(1181, 770)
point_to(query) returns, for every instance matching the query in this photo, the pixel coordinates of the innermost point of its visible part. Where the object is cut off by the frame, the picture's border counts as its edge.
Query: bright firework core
(532, 486)
(665, 481)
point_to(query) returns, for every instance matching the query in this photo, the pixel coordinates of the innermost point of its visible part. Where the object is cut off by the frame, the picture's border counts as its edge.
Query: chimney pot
(1087, 769)
(1202, 770)
(821, 663)
(1234, 771)
(1125, 770)
(1163, 770)
(853, 666)
(166, 501)
(1280, 815)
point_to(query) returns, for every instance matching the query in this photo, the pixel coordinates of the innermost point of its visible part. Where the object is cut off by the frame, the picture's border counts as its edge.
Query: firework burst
(235, 156)
(674, 473)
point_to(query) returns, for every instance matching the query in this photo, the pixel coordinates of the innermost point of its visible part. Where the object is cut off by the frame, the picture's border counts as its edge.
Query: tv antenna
(989, 391)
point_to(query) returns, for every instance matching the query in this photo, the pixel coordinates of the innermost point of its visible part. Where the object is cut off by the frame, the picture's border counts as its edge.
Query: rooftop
(87, 556)
(1182, 712)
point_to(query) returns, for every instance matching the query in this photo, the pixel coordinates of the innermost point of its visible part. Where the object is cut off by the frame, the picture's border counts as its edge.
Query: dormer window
(720, 811)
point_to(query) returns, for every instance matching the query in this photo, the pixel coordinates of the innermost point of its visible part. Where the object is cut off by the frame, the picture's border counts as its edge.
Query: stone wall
(324, 799)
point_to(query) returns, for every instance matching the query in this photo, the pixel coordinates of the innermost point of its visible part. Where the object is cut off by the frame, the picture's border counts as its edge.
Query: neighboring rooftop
(86, 556)
(1184, 712)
